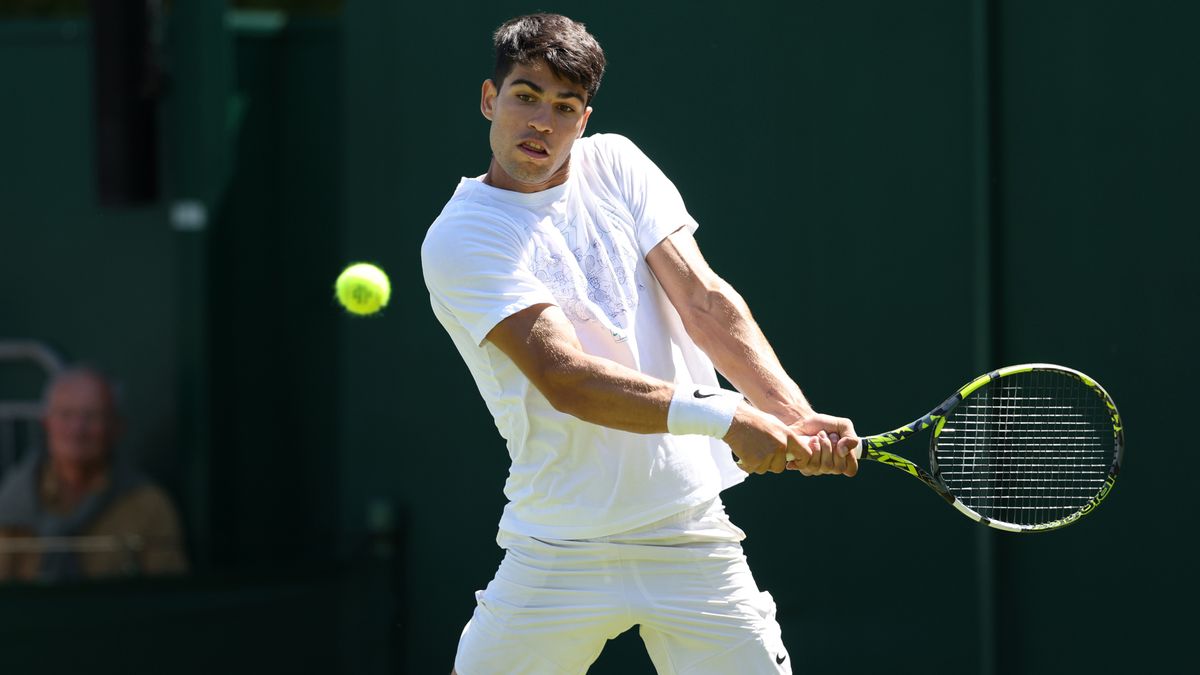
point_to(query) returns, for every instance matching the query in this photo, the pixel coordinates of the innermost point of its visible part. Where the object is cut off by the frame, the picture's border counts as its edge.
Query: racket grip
(857, 452)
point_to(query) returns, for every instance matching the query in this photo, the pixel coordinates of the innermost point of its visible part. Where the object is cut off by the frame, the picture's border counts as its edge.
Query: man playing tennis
(570, 282)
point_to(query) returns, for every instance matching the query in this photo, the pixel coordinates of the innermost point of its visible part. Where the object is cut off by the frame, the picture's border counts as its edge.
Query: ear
(487, 99)
(587, 113)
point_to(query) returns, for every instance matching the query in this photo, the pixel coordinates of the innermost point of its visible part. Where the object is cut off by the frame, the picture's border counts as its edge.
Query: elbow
(567, 402)
(563, 388)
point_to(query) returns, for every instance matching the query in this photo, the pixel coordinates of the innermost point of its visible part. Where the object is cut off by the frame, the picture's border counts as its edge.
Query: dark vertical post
(124, 89)
(198, 50)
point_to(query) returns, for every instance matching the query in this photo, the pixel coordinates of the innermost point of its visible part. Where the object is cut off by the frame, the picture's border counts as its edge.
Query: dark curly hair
(565, 45)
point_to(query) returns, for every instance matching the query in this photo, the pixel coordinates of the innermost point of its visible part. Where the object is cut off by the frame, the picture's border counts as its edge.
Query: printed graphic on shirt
(592, 270)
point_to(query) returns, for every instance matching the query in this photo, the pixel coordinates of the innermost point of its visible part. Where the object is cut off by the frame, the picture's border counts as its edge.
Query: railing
(20, 430)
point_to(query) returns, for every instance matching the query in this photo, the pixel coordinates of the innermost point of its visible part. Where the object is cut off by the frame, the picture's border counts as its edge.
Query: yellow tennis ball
(363, 289)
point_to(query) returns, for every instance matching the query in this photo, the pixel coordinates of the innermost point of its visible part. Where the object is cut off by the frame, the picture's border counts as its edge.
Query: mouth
(534, 149)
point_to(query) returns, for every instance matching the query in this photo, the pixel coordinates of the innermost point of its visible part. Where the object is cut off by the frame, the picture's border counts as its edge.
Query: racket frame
(872, 447)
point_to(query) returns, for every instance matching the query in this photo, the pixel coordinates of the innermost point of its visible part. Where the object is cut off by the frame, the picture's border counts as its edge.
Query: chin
(527, 174)
(535, 180)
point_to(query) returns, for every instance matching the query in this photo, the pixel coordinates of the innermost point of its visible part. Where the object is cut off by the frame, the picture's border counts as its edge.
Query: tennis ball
(363, 289)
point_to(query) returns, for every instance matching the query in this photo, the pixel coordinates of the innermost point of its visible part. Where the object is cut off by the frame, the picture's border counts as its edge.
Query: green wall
(922, 189)
(1099, 141)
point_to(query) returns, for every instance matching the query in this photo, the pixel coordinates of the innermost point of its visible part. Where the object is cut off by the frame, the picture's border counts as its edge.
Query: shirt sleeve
(479, 274)
(653, 200)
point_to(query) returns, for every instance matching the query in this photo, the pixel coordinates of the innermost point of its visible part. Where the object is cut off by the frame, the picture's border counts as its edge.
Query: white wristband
(697, 409)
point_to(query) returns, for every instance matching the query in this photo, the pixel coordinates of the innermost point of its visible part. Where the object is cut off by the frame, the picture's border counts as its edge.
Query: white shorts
(553, 604)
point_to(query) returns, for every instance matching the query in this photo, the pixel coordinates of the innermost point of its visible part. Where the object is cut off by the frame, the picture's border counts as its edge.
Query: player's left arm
(718, 319)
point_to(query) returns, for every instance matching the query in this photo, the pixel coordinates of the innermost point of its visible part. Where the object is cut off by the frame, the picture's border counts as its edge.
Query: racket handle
(857, 452)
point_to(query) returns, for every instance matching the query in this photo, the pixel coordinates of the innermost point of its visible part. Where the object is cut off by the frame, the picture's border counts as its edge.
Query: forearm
(721, 324)
(541, 342)
(718, 320)
(606, 393)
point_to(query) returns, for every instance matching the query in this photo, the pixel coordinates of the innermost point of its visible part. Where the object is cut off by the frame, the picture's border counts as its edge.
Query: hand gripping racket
(1026, 448)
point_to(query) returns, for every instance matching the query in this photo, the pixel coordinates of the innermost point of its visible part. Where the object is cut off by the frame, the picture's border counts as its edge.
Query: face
(536, 117)
(80, 420)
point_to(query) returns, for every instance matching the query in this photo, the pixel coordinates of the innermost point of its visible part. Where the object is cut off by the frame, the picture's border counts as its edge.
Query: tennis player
(569, 280)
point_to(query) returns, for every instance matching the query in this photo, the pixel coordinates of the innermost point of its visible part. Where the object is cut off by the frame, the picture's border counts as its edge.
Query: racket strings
(1028, 448)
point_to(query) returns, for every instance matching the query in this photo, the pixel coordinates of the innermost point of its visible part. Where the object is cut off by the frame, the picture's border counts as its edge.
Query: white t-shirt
(581, 246)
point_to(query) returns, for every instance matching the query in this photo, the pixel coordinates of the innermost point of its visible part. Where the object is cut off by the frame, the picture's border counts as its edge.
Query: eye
(564, 108)
(525, 97)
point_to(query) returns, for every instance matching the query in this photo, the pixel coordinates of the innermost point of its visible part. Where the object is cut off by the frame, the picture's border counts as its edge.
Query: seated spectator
(77, 511)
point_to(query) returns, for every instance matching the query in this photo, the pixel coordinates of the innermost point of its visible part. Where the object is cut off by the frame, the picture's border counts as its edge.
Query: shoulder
(609, 141)
(611, 147)
(470, 213)
(616, 159)
(472, 240)
(469, 220)
(148, 497)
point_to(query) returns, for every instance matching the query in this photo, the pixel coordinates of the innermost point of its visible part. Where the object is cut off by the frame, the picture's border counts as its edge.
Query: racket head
(1028, 448)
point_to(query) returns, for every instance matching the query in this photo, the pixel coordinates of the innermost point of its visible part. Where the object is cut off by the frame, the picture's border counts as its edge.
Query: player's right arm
(541, 341)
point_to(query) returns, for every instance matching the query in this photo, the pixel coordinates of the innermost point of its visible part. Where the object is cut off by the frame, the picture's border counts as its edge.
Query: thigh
(708, 616)
(544, 612)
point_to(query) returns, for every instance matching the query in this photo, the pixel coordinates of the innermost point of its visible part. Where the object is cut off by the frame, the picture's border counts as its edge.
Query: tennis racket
(1026, 448)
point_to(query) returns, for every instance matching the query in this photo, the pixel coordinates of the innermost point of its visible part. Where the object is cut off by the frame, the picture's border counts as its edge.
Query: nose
(540, 121)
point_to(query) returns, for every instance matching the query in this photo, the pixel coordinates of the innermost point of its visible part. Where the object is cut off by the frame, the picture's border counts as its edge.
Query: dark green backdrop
(905, 193)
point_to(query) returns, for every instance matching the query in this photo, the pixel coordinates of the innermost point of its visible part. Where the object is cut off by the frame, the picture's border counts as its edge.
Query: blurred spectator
(77, 511)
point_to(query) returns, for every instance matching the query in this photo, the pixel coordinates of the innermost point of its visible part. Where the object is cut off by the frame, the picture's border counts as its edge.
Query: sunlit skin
(82, 426)
(536, 117)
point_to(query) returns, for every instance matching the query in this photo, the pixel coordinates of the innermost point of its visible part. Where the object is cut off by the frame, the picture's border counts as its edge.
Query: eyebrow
(566, 93)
